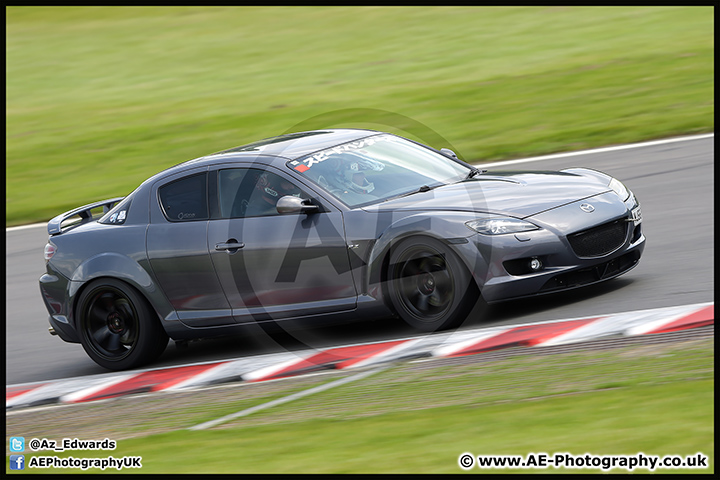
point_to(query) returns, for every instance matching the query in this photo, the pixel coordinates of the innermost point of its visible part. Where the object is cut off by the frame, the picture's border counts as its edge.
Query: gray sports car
(325, 224)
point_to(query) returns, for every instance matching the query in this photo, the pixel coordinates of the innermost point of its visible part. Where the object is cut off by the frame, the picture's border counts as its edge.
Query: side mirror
(291, 204)
(448, 153)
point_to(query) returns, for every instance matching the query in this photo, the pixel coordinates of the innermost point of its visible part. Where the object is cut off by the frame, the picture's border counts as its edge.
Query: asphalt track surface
(673, 181)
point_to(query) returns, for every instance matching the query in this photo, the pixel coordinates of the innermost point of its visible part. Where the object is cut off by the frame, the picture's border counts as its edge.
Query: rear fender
(114, 265)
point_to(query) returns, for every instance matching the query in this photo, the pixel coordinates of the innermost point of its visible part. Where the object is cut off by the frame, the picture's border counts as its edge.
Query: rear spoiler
(84, 212)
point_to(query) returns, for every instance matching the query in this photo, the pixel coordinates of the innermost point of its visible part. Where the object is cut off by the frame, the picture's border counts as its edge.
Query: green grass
(430, 441)
(419, 417)
(100, 98)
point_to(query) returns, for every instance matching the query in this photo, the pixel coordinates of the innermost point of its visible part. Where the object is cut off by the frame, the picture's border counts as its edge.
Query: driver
(349, 174)
(355, 179)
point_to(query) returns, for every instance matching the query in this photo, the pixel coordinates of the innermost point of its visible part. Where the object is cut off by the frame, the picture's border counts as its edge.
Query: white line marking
(614, 148)
(287, 399)
(25, 227)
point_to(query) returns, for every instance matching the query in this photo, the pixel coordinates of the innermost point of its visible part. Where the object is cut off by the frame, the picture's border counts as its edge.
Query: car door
(177, 250)
(270, 265)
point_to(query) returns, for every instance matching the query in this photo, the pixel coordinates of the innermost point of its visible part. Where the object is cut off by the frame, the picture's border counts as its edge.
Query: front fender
(447, 227)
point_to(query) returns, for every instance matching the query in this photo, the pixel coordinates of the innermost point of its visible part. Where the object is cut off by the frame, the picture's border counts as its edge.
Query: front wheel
(118, 329)
(429, 287)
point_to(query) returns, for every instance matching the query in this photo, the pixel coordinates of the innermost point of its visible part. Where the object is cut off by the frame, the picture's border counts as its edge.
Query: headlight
(500, 226)
(620, 189)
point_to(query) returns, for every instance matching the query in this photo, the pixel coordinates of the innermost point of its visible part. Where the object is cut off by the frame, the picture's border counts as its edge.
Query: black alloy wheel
(118, 329)
(430, 288)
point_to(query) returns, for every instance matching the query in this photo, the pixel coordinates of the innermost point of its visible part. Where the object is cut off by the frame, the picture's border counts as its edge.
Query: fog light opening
(535, 265)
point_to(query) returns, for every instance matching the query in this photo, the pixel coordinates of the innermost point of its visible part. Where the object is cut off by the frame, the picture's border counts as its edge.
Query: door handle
(231, 246)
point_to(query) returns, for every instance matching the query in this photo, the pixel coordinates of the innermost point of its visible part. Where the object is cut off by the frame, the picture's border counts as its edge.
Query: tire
(429, 286)
(117, 327)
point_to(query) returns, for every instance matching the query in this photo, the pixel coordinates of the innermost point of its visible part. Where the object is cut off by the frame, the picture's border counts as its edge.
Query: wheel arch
(415, 227)
(121, 268)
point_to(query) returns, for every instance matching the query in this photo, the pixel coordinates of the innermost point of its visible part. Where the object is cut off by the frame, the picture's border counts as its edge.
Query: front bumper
(551, 280)
(509, 276)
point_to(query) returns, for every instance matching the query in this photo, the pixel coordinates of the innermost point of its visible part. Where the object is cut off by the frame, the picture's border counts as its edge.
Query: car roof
(284, 147)
(296, 145)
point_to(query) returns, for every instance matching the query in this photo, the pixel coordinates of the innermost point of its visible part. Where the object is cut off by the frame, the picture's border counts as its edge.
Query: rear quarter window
(118, 214)
(185, 200)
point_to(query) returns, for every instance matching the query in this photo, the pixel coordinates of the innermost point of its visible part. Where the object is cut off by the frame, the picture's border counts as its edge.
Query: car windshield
(378, 168)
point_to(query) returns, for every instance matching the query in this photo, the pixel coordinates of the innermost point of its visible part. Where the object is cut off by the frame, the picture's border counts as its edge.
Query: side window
(250, 192)
(185, 199)
(118, 214)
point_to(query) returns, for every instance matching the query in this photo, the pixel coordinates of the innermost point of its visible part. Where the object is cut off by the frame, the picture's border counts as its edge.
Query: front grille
(600, 240)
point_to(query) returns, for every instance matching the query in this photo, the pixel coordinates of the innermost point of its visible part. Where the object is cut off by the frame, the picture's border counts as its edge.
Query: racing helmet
(352, 175)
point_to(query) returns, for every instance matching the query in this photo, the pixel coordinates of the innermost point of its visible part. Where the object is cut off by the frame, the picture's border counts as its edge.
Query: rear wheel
(118, 329)
(429, 287)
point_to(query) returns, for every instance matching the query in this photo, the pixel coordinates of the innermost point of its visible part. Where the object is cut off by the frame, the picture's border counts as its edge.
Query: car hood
(517, 194)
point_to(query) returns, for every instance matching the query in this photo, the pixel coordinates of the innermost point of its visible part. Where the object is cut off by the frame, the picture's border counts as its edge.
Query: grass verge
(100, 98)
